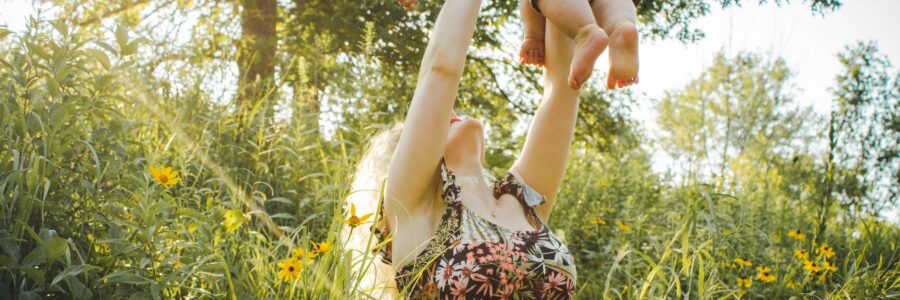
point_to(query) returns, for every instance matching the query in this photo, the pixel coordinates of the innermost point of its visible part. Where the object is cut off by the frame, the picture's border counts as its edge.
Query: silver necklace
(496, 200)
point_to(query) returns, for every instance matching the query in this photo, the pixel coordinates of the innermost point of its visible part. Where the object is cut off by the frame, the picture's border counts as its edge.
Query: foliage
(864, 130)
(93, 116)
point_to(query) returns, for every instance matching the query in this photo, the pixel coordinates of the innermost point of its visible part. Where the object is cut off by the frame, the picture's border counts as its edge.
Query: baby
(579, 21)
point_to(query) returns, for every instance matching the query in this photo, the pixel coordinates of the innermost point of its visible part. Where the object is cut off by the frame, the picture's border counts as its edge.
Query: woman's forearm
(450, 39)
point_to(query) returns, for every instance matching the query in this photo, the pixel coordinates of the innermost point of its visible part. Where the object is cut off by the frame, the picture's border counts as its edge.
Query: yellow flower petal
(233, 220)
(321, 248)
(623, 227)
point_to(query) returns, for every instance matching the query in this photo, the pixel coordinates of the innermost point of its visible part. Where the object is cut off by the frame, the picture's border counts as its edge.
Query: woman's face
(464, 139)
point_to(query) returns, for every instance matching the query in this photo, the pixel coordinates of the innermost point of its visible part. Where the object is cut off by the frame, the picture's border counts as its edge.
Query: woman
(445, 230)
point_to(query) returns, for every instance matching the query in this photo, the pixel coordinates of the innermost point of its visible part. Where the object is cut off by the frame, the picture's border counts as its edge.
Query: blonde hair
(370, 274)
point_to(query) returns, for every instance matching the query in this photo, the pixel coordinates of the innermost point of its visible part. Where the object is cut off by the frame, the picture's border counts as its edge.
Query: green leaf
(154, 290)
(61, 27)
(233, 219)
(55, 248)
(78, 290)
(281, 200)
(130, 49)
(37, 49)
(7, 262)
(122, 37)
(100, 57)
(45, 234)
(35, 274)
(73, 271)
(126, 277)
(34, 258)
(59, 114)
(285, 216)
(8, 242)
(29, 295)
(107, 47)
(4, 32)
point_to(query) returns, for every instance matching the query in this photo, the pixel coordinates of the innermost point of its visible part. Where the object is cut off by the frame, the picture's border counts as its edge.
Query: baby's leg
(576, 20)
(532, 50)
(618, 18)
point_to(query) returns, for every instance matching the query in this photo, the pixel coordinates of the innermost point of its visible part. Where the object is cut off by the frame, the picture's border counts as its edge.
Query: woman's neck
(465, 167)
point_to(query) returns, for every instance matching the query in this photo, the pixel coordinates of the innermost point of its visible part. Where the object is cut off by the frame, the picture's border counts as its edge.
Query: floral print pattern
(471, 257)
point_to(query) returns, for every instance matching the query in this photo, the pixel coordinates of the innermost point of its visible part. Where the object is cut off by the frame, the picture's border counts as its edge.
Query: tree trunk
(256, 56)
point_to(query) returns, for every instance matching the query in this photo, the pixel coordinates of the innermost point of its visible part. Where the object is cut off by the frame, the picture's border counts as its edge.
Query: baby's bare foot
(589, 44)
(532, 51)
(623, 56)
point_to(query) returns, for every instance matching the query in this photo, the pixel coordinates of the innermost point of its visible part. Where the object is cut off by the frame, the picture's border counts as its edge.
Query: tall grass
(82, 217)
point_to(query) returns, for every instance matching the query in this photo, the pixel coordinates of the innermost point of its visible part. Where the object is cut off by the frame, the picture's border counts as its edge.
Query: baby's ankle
(588, 31)
(623, 25)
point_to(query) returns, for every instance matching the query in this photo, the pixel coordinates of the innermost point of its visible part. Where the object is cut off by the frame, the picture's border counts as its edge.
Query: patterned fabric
(534, 4)
(471, 257)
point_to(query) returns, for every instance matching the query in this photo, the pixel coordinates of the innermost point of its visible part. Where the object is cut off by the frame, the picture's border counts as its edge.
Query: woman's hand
(408, 5)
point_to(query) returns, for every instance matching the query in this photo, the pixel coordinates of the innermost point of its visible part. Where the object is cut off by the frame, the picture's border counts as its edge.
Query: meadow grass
(83, 216)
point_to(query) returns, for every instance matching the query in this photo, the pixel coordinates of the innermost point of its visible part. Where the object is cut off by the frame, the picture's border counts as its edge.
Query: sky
(808, 42)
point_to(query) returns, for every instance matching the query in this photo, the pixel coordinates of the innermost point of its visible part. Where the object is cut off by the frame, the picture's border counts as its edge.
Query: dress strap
(510, 184)
(449, 190)
(527, 196)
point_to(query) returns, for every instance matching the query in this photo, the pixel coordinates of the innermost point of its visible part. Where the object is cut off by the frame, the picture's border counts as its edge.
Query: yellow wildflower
(797, 235)
(745, 283)
(829, 266)
(765, 274)
(233, 219)
(598, 221)
(320, 248)
(742, 262)
(811, 266)
(792, 285)
(623, 227)
(826, 250)
(290, 269)
(164, 176)
(355, 220)
(801, 254)
(821, 277)
(301, 254)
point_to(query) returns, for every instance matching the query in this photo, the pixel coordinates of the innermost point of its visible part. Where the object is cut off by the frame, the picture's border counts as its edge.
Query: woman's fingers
(409, 5)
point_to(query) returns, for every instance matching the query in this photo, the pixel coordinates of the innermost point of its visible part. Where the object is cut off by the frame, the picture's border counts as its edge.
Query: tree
(275, 37)
(863, 131)
(256, 56)
(738, 109)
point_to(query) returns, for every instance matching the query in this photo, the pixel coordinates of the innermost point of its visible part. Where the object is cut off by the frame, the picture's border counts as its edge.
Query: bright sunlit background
(807, 41)
(150, 164)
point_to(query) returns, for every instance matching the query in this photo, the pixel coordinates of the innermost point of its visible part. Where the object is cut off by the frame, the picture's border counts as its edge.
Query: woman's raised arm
(542, 162)
(419, 150)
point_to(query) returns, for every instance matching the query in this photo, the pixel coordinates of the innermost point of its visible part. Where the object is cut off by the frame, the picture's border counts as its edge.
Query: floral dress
(471, 257)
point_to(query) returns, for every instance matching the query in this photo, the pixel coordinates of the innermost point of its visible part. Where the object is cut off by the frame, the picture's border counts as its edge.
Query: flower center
(163, 178)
